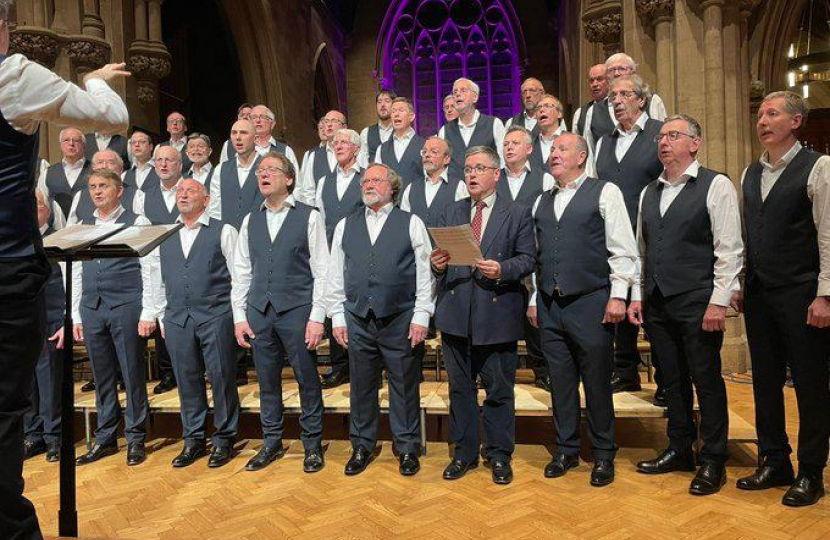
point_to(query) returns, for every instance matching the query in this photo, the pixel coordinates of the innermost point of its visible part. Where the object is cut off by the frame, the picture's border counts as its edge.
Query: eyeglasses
(259, 117)
(327, 121)
(270, 171)
(187, 191)
(619, 69)
(625, 94)
(167, 160)
(673, 136)
(375, 180)
(434, 152)
(479, 169)
(74, 140)
(175, 121)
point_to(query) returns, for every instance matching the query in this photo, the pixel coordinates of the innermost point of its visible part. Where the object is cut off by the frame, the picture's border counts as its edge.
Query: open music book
(108, 240)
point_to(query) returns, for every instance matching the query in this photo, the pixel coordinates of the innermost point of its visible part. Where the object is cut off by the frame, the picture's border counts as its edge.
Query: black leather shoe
(165, 385)
(560, 464)
(220, 456)
(543, 383)
(314, 460)
(265, 456)
(670, 460)
(189, 454)
(603, 473)
(334, 379)
(766, 477)
(358, 462)
(457, 469)
(409, 464)
(709, 479)
(625, 385)
(136, 454)
(660, 397)
(502, 472)
(241, 381)
(806, 490)
(98, 451)
(33, 448)
(88, 387)
(53, 452)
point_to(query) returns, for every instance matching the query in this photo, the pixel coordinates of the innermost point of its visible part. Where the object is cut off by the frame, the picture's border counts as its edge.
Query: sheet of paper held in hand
(460, 242)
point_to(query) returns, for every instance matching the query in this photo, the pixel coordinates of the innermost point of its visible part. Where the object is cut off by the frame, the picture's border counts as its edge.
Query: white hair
(268, 112)
(622, 57)
(354, 136)
(476, 90)
(67, 128)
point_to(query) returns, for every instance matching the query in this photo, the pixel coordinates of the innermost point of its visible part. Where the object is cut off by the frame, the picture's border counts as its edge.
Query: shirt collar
(147, 165)
(384, 210)
(407, 136)
(77, 165)
(289, 202)
(112, 217)
(444, 176)
(785, 159)
(476, 116)
(102, 137)
(173, 189)
(245, 167)
(525, 170)
(559, 131)
(639, 125)
(690, 172)
(202, 220)
(351, 170)
(271, 142)
(44, 229)
(489, 200)
(574, 185)
(386, 129)
(206, 168)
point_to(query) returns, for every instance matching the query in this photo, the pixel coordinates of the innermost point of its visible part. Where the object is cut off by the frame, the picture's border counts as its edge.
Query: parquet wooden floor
(155, 501)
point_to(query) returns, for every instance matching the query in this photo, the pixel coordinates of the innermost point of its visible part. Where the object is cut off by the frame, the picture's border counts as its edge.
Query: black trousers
(627, 357)
(578, 347)
(778, 335)
(22, 331)
(42, 421)
(163, 361)
(338, 356)
(374, 343)
(497, 365)
(689, 355)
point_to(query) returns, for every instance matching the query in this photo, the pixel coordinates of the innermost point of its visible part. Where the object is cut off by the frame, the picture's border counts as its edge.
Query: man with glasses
(532, 91)
(177, 129)
(621, 65)
(321, 160)
(596, 118)
(142, 173)
(479, 312)
(193, 301)
(198, 150)
(428, 196)
(549, 114)
(380, 296)
(378, 133)
(97, 142)
(264, 121)
(279, 306)
(689, 236)
(104, 160)
(402, 151)
(471, 128)
(64, 180)
(338, 195)
(233, 187)
(628, 157)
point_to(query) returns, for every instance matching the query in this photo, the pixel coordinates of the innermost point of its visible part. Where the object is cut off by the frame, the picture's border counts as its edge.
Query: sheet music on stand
(460, 242)
(107, 240)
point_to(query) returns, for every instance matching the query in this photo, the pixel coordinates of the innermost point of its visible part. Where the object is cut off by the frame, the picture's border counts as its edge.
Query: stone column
(149, 59)
(602, 20)
(154, 20)
(713, 75)
(92, 24)
(660, 13)
(140, 20)
(747, 7)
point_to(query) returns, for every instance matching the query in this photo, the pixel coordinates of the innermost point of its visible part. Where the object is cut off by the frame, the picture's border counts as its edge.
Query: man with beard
(380, 297)
(378, 133)
(532, 91)
(198, 151)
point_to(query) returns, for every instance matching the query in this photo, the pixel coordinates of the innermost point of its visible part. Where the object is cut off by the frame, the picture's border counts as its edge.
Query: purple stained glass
(431, 43)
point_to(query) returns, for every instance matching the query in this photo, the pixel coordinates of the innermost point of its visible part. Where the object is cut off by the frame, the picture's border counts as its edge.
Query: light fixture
(806, 62)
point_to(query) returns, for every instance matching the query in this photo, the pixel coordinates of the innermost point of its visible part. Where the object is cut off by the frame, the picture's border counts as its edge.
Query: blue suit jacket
(485, 310)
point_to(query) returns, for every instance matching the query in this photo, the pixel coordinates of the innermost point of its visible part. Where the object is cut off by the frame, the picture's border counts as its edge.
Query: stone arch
(326, 91)
(777, 28)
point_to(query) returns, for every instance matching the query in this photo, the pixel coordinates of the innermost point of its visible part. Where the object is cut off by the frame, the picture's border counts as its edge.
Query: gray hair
(694, 126)
(516, 128)
(495, 160)
(268, 112)
(406, 101)
(5, 8)
(67, 128)
(118, 158)
(625, 58)
(556, 102)
(793, 103)
(437, 138)
(354, 136)
(640, 88)
(392, 177)
(581, 143)
(287, 167)
(472, 83)
(201, 136)
(448, 97)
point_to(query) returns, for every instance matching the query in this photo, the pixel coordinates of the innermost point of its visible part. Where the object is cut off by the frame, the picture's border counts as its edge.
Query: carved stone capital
(655, 10)
(748, 6)
(757, 91)
(37, 44)
(604, 29)
(88, 52)
(146, 92)
(149, 64)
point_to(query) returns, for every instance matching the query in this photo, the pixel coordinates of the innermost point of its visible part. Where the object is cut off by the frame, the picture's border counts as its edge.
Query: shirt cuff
(619, 289)
(96, 85)
(823, 288)
(239, 315)
(636, 293)
(318, 315)
(421, 318)
(721, 298)
(338, 320)
(76, 317)
(147, 315)
(532, 301)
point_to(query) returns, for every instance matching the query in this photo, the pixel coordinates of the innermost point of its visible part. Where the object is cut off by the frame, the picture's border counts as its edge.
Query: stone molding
(37, 44)
(88, 52)
(654, 11)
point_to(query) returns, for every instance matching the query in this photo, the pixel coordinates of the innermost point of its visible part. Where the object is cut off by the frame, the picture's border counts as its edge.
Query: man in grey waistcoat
(373, 136)
(193, 301)
(380, 296)
(65, 179)
(402, 151)
(320, 160)
(531, 91)
(113, 306)
(279, 284)
(233, 187)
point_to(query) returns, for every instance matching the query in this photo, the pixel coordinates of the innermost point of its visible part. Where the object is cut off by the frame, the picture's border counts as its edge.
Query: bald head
(191, 198)
(168, 165)
(598, 82)
(242, 138)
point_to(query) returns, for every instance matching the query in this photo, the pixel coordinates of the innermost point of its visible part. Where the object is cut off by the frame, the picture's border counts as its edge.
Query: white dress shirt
(319, 260)
(262, 150)
(399, 145)
(818, 191)
(421, 245)
(141, 172)
(102, 140)
(178, 145)
(71, 170)
(242, 171)
(489, 201)
(528, 122)
(168, 195)
(725, 218)
(625, 138)
(149, 273)
(306, 191)
(202, 174)
(30, 94)
(344, 179)
(468, 129)
(431, 189)
(619, 238)
(545, 144)
(384, 131)
(515, 182)
(187, 236)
